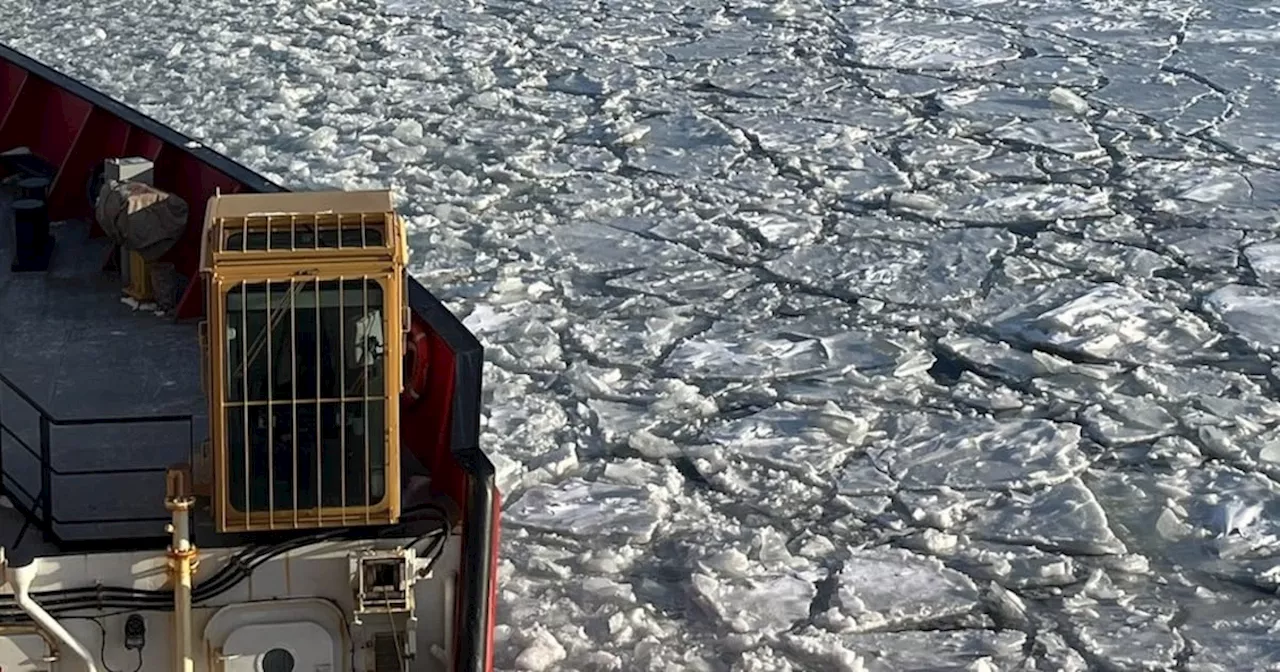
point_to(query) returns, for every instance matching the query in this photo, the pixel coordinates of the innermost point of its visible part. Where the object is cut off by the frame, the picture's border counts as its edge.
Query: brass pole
(182, 563)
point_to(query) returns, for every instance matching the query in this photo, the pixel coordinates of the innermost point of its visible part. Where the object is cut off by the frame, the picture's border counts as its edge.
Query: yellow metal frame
(222, 271)
(139, 287)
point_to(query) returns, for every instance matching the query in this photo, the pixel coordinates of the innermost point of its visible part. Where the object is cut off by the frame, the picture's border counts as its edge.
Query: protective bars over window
(305, 310)
(304, 404)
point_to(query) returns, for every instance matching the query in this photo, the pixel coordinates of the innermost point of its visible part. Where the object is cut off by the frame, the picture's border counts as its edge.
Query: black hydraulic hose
(237, 568)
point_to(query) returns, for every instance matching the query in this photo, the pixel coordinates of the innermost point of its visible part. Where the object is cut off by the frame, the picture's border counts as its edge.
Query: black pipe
(478, 571)
(34, 188)
(33, 246)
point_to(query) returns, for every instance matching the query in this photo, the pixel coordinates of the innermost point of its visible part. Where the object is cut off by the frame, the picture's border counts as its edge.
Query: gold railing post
(182, 562)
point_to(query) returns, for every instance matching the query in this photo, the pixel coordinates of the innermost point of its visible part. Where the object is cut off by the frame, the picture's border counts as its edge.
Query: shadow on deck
(96, 398)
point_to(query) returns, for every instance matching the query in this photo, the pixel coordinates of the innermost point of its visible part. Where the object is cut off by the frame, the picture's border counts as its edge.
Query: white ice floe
(591, 510)
(763, 605)
(931, 452)
(1264, 259)
(721, 352)
(972, 650)
(1252, 313)
(1014, 205)
(811, 441)
(947, 267)
(1064, 517)
(1118, 323)
(884, 588)
(913, 46)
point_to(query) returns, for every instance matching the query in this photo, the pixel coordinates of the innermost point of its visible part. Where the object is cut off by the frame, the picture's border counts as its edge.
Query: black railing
(38, 508)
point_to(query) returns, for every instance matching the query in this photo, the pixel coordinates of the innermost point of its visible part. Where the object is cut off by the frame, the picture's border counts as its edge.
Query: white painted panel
(306, 645)
(23, 653)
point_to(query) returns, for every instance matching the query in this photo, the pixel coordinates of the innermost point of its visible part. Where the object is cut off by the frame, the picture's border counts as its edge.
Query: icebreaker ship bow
(235, 434)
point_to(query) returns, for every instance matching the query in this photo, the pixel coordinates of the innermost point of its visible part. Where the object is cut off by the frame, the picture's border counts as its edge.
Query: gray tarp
(140, 217)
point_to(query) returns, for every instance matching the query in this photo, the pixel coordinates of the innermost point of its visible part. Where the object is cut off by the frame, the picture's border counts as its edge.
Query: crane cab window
(295, 236)
(305, 394)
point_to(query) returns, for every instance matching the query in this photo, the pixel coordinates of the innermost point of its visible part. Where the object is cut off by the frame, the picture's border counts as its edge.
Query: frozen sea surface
(822, 335)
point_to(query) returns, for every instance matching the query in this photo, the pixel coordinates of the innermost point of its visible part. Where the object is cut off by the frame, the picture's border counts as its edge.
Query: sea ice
(1114, 322)
(793, 437)
(1250, 312)
(882, 588)
(761, 605)
(928, 651)
(931, 451)
(591, 510)
(1064, 517)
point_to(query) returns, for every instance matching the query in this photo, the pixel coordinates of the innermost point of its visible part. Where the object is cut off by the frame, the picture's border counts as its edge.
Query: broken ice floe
(595, 247)
(1000, 360)
(1064, 517)
(591, 510)
(635, 336)
(1112, 322)
(686, 146)
(1109, 258)
(907, 45)
(1264, 259)
(950, 267)
(863, 476)
(1015, 566)
(1068, 100)
(1212, 518)
(1226, 644)
(828, 144)
(923, 651)
(1229, 196)
(761, 604)
(1135, 634)
(893, 588)
(981, 454)
(1252, 313)
(811, 441)
(734, 350)
(1065, 136)
(754, 584)
(1122, 419)
(793, 493)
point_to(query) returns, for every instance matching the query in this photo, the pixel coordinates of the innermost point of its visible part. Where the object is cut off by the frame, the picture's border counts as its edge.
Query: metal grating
(386, 653)
(294, 232)
(305, 398)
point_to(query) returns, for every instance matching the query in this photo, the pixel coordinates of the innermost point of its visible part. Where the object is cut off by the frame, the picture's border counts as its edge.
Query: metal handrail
(46, 519)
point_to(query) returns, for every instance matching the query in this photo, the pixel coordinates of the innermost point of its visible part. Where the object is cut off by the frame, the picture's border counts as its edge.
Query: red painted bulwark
(74, 137)
(11, 80)
(195, 182)
(424, 427)
(103, 135)
(45, 120)
(492, 625)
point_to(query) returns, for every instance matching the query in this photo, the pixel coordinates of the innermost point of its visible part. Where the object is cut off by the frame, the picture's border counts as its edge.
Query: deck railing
(38, 508)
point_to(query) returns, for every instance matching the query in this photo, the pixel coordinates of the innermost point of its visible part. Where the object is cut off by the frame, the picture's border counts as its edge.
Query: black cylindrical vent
(32, 245)
(35, 188)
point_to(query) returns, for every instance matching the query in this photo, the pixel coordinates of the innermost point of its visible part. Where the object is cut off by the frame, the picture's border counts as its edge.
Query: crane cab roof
(257, 228)
(239, 206)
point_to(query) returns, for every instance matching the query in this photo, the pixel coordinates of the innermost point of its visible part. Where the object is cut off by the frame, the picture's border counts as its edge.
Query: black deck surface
(70, 344)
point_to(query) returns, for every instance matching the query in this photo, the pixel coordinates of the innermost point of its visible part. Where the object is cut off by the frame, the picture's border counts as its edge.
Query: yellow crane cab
(302, 343)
